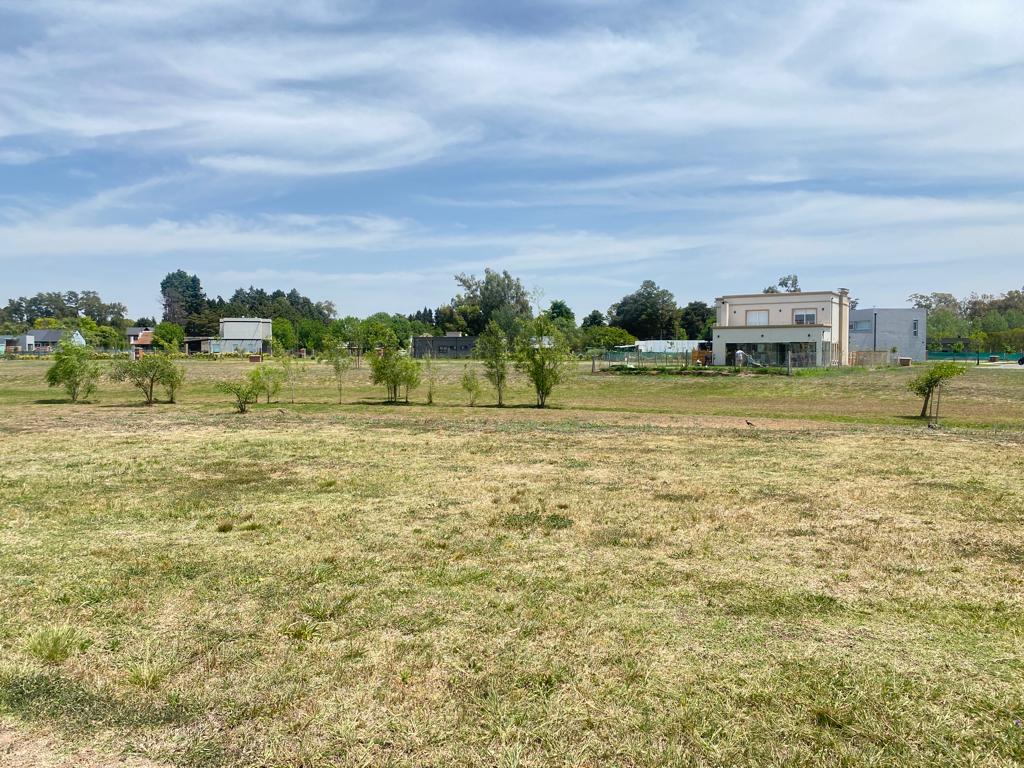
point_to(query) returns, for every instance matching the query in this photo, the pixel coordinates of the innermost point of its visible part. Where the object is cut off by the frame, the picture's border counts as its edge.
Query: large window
(804, 317)
(757, 317)
(860, 326)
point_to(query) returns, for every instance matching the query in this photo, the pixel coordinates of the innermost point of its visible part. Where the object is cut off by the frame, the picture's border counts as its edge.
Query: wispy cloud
(605, 142)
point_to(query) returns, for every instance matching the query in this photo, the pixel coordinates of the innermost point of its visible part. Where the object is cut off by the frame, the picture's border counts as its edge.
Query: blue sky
(364, 152)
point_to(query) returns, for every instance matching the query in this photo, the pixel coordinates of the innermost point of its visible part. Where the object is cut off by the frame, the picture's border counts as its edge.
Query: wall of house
(767, 335)
(882, 329)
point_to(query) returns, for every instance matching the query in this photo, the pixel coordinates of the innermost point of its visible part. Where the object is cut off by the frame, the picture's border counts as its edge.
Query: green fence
(973, 356)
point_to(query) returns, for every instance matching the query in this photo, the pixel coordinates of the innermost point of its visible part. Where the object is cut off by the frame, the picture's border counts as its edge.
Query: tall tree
(595, 319)
(696, 319)
(182, 295)
(649, 313)
(559, 310)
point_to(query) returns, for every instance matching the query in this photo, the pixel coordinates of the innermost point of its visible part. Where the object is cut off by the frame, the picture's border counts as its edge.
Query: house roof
(145, 339)
(49, 335)
(135, 330)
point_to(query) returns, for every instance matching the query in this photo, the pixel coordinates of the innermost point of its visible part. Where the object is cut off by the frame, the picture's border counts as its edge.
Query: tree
(594, 320)
(245, 391)
(931, 379)
(787, 283)
(284, 333)
(542, 355)
(173, 380)
(559, 310)
(993, 322)
(470, 384)
(335, 354)
(696, 319)
(74, 369)
(498, 295)
(396, 371)
(287, 364)
(649, 313)
(147, 373)
(978, 340)
(268, 380)
(492, 348)
(430, 374)
(169, 336)
(182, 295)
(606, 337)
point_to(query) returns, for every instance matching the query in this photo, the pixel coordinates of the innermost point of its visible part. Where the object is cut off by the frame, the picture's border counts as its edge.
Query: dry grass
(368, 585)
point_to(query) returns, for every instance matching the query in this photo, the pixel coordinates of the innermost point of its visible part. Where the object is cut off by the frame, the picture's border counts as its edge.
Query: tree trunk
(927, 401)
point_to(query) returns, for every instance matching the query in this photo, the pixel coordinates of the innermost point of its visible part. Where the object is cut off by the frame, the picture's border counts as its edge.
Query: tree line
(983, 322)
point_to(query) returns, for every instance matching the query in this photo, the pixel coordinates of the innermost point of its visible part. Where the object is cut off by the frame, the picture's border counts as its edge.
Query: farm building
(874, 333)
(243, 334)
(452, 345)
(806, 329)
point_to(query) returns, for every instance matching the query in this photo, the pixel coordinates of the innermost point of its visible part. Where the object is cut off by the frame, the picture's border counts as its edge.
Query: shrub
(245, 391)
(74, 369)
(335, 354)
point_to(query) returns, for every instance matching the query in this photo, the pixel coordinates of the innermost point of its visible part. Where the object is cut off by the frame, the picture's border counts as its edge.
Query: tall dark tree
(594, 320)
(559, 310)
(695, 320)
(182, 295)
(649, 313)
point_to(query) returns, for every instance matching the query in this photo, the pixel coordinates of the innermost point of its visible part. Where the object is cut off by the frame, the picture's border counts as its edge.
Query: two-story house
(805, 329)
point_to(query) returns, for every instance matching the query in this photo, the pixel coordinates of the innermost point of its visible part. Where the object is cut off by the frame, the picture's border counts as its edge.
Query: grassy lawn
(634, 577)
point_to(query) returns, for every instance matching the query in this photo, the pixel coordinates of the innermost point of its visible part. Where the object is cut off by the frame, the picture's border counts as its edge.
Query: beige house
(806, 329)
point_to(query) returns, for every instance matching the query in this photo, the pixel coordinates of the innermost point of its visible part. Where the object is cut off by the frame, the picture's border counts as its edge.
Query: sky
(365, 152)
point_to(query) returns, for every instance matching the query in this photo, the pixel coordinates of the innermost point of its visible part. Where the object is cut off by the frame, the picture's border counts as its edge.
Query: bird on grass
(750, 423)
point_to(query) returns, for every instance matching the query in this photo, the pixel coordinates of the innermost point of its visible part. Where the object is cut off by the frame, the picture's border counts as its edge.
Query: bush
(245, 391)
(268, 380)
(74, 369)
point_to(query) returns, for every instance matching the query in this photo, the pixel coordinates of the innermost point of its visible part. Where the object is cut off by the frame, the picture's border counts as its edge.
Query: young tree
(74, 369)
(541, 354)
(335, 354)
(268, 379)
(287, 365)
(430, 374)
(245, 392)
(931, 379)
(396, 371)
(470, 384)
(147, 373)
(492, 349)
(173, 380)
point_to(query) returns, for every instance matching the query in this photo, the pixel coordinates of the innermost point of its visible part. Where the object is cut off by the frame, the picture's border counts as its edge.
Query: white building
(806, 329)
(243, 334)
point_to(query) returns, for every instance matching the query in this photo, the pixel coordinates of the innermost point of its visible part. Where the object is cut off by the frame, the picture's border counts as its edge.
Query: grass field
(634, 577)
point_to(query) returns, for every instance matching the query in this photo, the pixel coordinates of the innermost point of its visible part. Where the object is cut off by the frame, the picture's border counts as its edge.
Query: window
(916, 327)
(757, 317)
(860, 326)
(804, 317)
